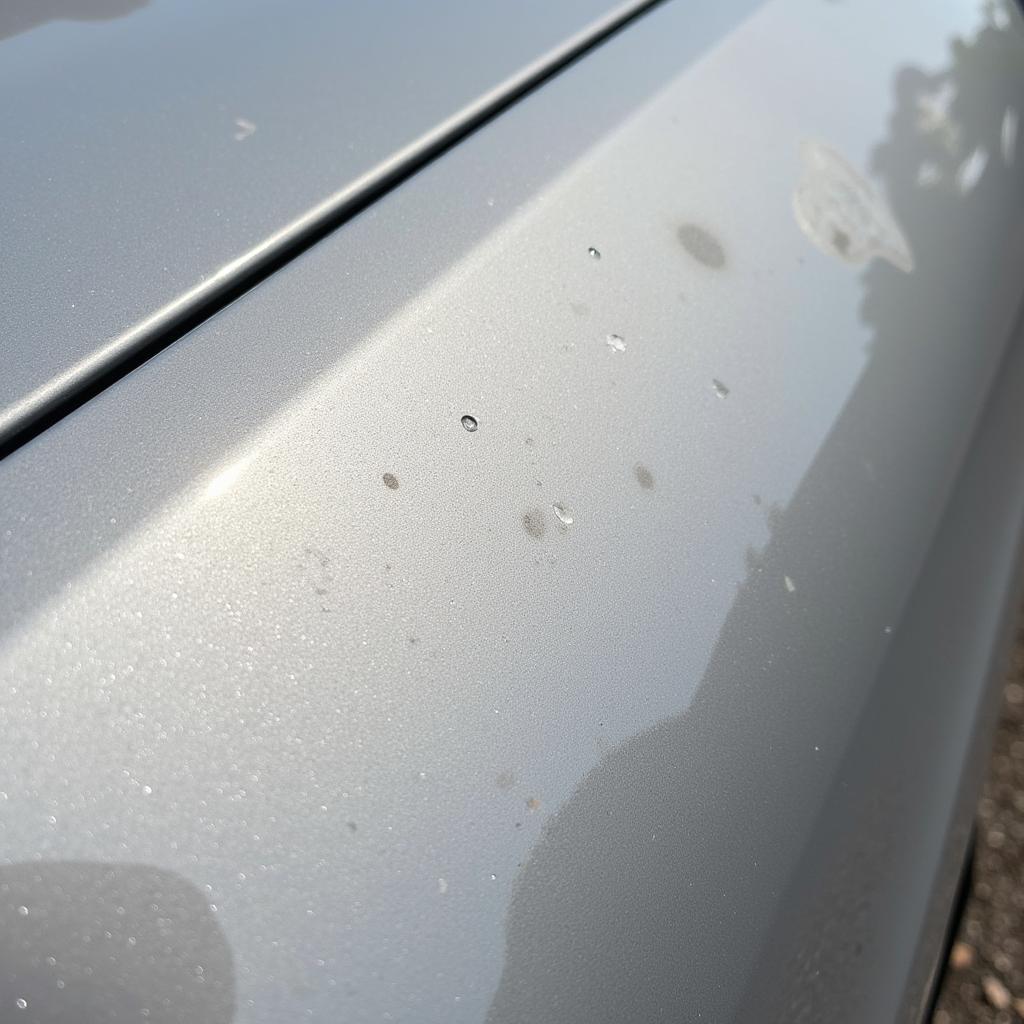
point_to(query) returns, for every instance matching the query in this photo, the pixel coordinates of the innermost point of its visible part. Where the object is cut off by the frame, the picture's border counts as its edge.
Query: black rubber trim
(963, 891)
(55, 400)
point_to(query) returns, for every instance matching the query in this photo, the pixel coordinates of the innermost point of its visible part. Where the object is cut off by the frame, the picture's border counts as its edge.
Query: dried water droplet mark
(471, 423)
(564, 515)
(701, 245)
(21, 1004)
(644, 477)
(790, 585)
(391, 481)
(442, 886)
(616, 342)
(505, 780)
(245, 129)
(837, 208)
(719, 388)
(533, 523)
(593, 253)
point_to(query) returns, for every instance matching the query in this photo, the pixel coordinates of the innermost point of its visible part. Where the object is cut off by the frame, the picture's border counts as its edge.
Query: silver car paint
(657, 696)
(150, 161)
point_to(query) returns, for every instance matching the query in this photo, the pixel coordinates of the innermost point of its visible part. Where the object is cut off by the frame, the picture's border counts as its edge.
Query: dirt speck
(505, 780)
(841, 241)
(391, 481)
(532, 804)
(352, 826)
(701, 245)
(644, 477)
(533, 523)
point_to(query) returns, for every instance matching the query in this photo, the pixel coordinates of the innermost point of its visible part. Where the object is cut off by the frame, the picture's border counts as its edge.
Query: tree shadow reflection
(688, 853)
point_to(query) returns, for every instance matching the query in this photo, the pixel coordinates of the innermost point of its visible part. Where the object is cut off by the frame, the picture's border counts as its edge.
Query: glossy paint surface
(611, 707)
(155, 150)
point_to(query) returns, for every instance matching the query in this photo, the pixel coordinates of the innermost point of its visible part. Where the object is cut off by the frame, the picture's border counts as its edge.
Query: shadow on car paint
(92, 943)
(605, 922)
(18, 16)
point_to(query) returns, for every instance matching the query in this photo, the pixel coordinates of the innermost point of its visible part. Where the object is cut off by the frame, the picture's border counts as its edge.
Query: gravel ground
(985, 980)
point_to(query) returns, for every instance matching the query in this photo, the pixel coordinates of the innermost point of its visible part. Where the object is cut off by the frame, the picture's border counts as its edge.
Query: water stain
(533, 523)
(838, 209)
(244, 128)
(391, 481)
(505, 780)
(580, 308)
(644, 477)
(701, 245)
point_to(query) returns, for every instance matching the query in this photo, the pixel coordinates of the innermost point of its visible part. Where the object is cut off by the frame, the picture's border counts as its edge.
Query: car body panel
(156, 150)
(660, 694)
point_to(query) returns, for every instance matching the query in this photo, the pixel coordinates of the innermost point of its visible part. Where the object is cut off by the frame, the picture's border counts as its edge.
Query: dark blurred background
(985, 977)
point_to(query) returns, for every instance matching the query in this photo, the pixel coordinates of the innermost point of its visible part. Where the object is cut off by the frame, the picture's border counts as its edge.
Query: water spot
(564, 514)
(470, 423)
(702, 246)
(23, 911)
(442, 886)
(887, 630)
(352, 826)
(719, 388)
(505, 780)
(837, 208)
(615, 342)
(790, 585)
(579, 308)
(533, 523)
(245, 129)
(593, 253)
(532, 804)
(644, 477)
(21, 1004)
(757, 499)
(929, 174)
(391, 481)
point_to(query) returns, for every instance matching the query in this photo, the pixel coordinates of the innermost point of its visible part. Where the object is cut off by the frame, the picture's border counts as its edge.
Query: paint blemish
(533, 523)
(701, 245)
(644, 477)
